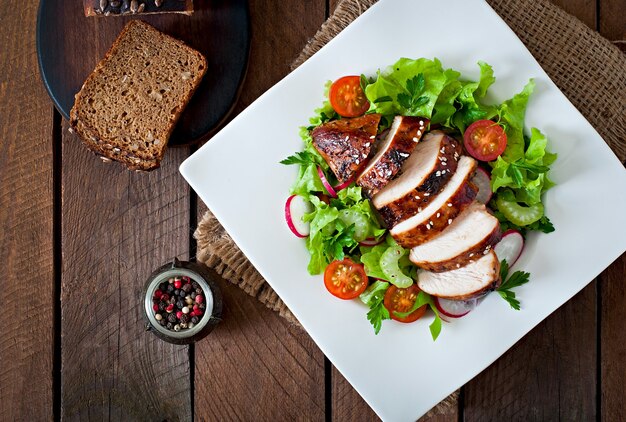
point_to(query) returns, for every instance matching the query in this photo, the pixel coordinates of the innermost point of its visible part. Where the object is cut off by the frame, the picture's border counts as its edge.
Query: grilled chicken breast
(473, 280)
(403, 136)
(469, 236)
(345, 144)
(431, 220)
(423, 175)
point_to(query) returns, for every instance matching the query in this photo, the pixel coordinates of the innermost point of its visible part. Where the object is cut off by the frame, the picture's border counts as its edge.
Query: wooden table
(78, 239)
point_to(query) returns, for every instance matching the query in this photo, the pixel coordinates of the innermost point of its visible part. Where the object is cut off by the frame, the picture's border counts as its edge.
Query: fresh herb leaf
(517, 279)
(425, 299)
(303, 158)
(373, 297)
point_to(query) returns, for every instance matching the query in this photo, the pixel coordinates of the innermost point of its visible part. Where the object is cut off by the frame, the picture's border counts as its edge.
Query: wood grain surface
(613, 342)
(26, 226)
(117, 227)
(256, 366)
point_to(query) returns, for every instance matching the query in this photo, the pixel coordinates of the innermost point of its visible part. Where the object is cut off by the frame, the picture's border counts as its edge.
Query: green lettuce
(410, 88)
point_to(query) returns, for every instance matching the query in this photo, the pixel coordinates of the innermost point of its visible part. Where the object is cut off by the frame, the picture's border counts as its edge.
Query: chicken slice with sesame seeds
(403, 136)
(473, 280)
(472, 234)
(455, 197)
(423, 175)
(345, 144)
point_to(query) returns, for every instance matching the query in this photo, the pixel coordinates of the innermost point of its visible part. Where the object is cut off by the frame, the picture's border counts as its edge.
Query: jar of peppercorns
(182, 303)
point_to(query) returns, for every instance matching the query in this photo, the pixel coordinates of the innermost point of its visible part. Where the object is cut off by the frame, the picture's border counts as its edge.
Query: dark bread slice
(129, 105)
(126, 7)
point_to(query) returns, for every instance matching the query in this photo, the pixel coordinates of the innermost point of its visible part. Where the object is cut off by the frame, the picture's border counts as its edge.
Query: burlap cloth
(589, 70)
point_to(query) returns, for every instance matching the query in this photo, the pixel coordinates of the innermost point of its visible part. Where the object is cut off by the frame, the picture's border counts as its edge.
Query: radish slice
(372, 241)
(482, 180)
(327, 185)
(295, 208)
(510, 246)
(342, 185)
(455, 308)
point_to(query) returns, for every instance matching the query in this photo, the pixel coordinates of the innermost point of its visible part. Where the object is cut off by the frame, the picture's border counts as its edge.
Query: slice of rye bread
(129, 105)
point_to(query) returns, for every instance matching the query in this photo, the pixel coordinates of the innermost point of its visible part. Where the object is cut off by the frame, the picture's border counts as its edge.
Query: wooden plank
(612, 15)
(585, 10)
(117, 227)
(549, 375)
(256, 366)
(613, 341)
(26, 224)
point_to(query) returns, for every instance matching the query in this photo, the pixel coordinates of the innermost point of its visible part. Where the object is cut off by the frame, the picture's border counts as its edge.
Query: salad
(415, 194)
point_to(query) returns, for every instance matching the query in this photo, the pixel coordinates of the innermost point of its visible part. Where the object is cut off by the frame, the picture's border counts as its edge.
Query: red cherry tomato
(347, 97)
(402, 300)
(345, 279)
(484, 140)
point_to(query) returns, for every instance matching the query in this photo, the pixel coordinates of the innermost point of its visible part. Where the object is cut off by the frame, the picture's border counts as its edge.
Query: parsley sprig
(303, 158)
(517, 279)
(412, 98)
(374, 297)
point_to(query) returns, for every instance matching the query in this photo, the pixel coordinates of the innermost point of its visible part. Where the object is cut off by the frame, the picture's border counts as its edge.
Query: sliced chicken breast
(403, 136)
(471, 235)
(423, 175)
(431, 220)
(345, 144)
(473, 280)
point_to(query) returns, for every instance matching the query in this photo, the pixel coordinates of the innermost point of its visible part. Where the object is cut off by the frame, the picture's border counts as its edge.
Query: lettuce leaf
(411, 88)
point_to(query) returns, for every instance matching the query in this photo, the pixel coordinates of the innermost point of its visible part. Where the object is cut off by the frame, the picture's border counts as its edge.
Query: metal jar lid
(213, 300)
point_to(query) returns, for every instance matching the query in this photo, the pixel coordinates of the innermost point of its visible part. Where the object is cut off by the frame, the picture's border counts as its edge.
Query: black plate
(69, 45)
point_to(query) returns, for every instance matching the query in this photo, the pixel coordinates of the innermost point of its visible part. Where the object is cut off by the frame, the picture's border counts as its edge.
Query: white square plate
(238, 175)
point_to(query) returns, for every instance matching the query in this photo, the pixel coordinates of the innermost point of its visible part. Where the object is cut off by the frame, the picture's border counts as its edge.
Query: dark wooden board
(613, 342)
(26, 204)
(70, 45)
(117, 227)
(255, 365)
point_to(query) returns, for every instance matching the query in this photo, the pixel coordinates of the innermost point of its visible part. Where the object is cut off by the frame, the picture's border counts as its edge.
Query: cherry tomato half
(347, 97)
(345, 279)
(402, 300)
(485, 140)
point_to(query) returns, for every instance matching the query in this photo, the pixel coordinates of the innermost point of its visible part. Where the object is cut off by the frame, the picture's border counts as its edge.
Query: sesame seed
(458, 265)
(443, 163)
(442, 150)
(438, 173)
(421, 123)
(449, 221)
(417, 197)
(357, 161)
(428, 226)
(449, 204)
(426, 194)
(415, 140)
(419, 209)
(471, 255)
(367, 144)
(486, 251)
(403, 154)
(347, 137)
(419, 133)
(438, 214)
(372, 137)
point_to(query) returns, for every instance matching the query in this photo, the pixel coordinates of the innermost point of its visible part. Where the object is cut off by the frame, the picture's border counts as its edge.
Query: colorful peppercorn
(178, 303)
